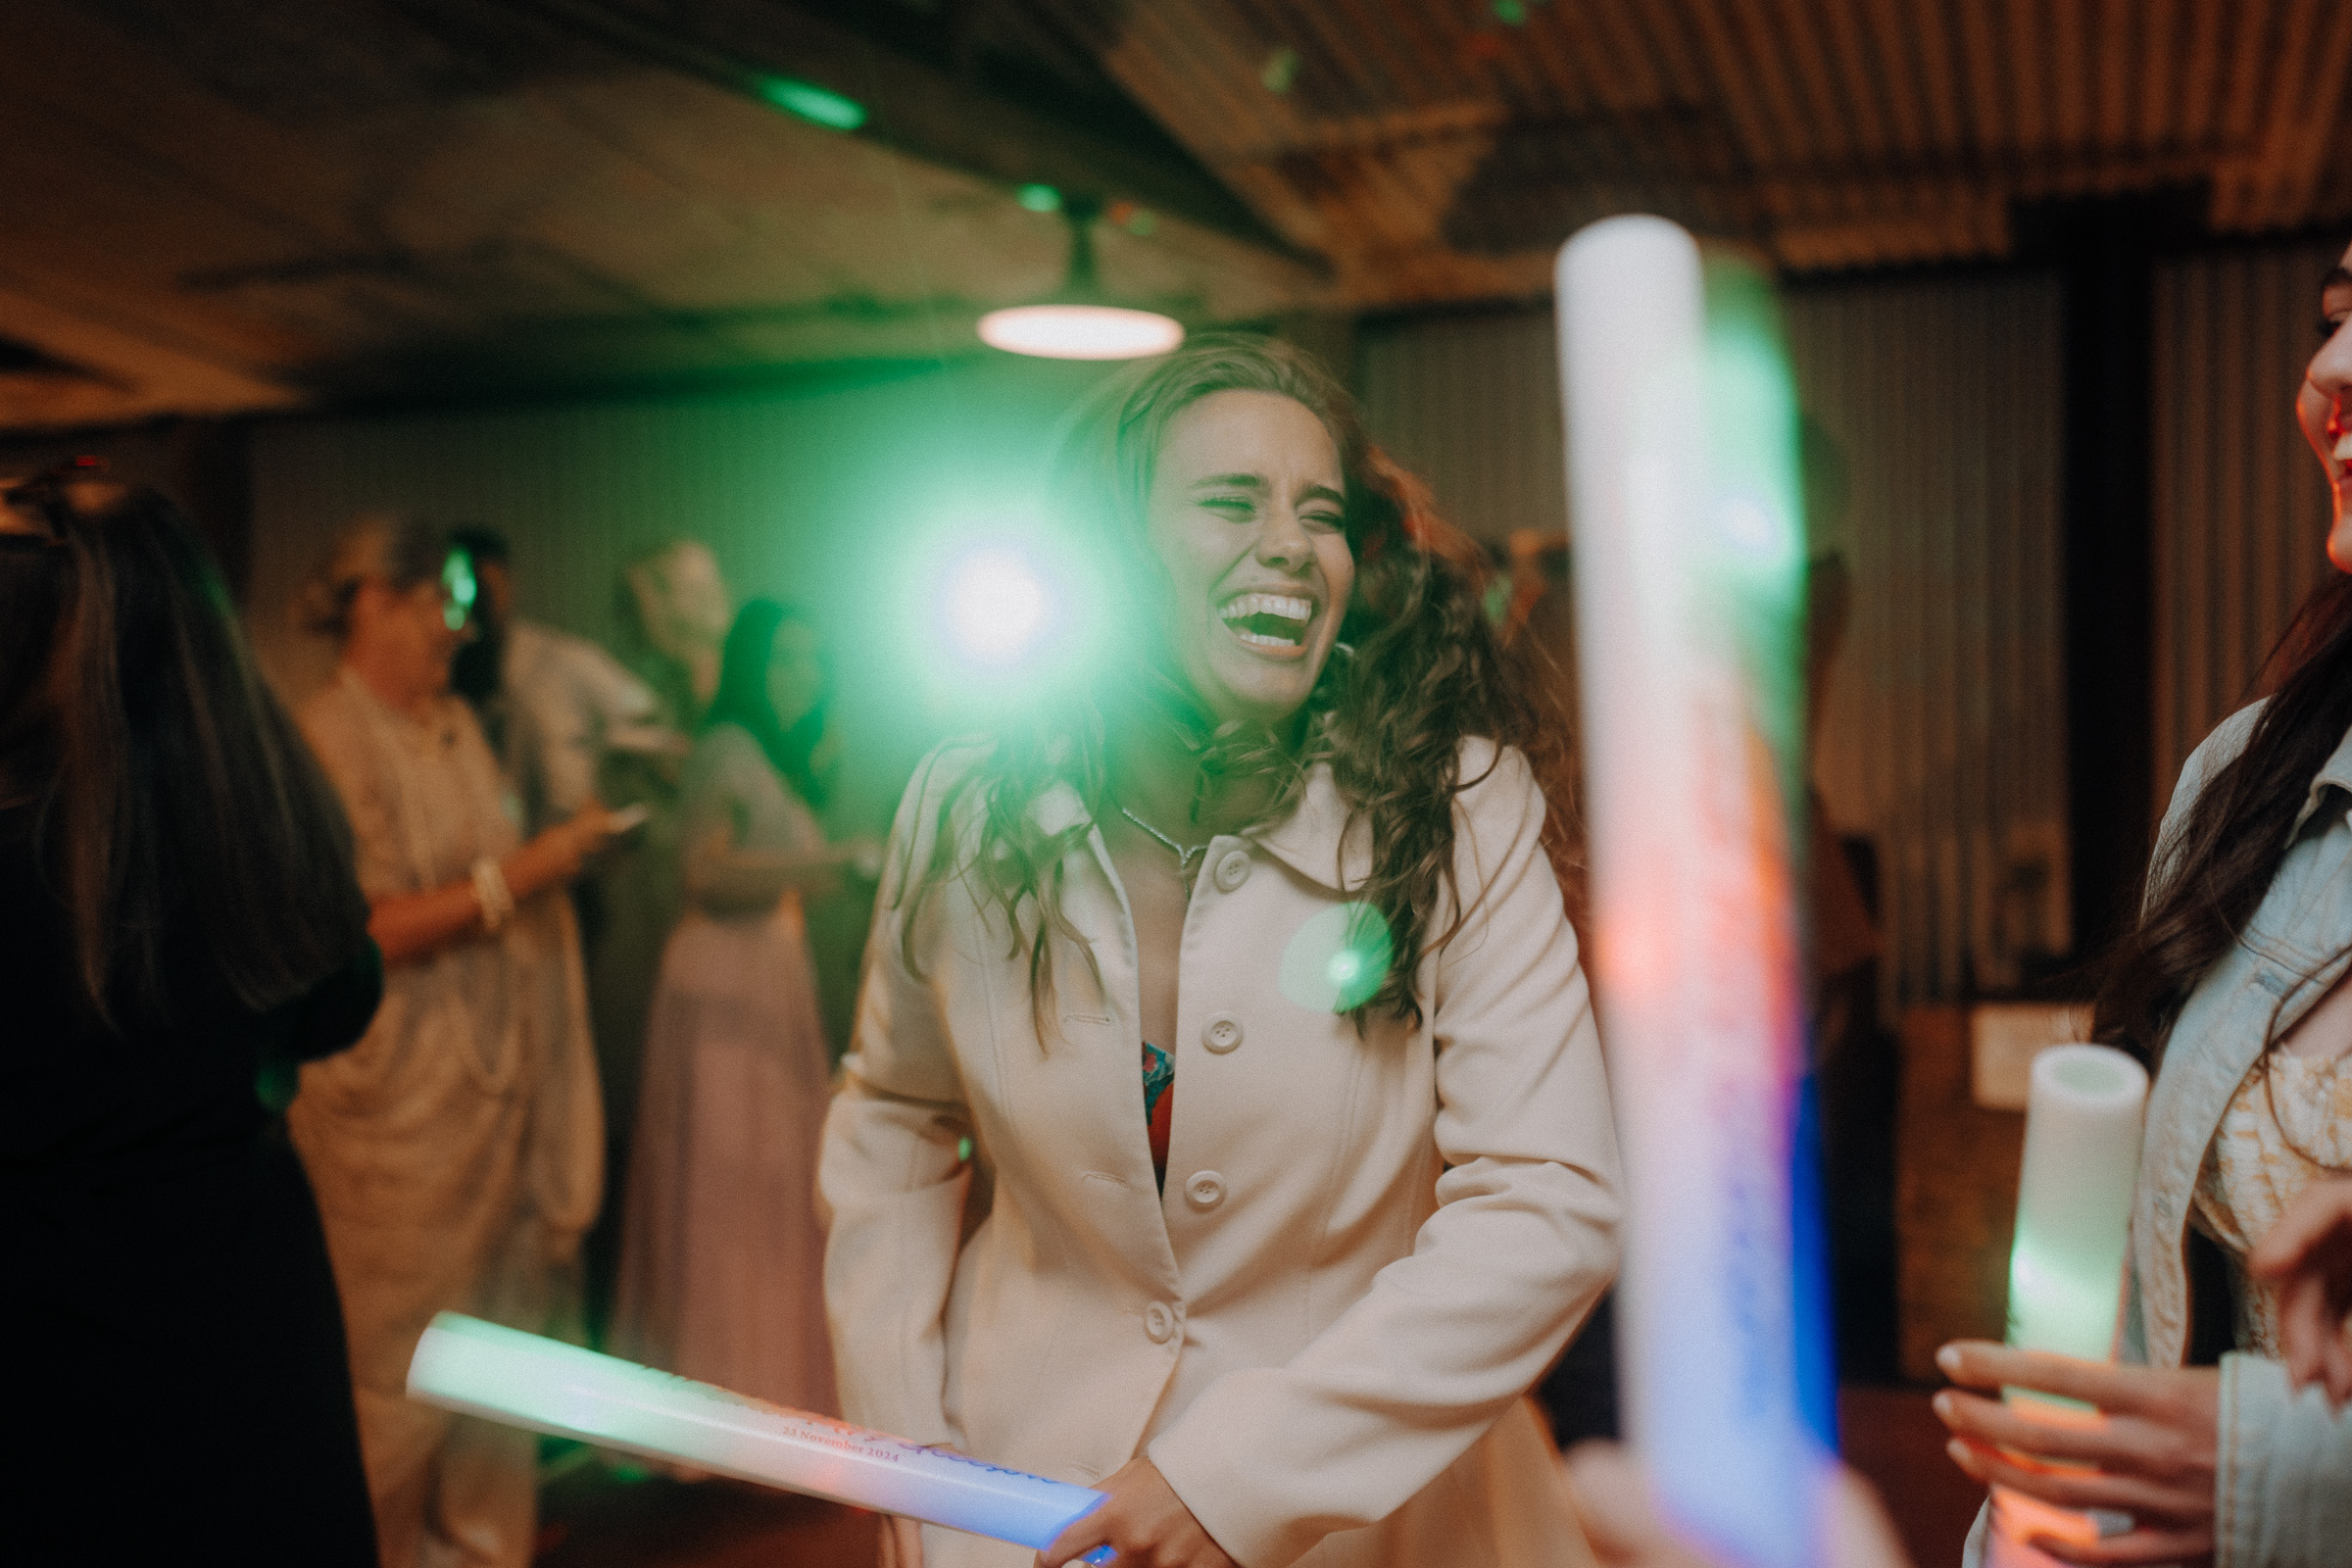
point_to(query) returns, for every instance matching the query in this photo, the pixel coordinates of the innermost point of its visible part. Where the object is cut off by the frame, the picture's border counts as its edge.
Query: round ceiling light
(1079, 332)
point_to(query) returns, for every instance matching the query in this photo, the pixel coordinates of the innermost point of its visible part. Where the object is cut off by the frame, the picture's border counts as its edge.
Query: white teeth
(2343, 447)
(1282, 605)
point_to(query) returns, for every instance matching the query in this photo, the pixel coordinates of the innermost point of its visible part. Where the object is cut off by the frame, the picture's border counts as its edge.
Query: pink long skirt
(722, 1256)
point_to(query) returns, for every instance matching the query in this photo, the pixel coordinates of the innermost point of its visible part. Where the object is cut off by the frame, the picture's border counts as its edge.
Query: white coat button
(1160, 1322)
(1232, 870)
(1221, 1033)
(1204, 1190)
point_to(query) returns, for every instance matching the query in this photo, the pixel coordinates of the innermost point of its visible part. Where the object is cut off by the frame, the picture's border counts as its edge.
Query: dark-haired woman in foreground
(723, 1254)
(178, 915)
(2234, 983)
(1245, 972)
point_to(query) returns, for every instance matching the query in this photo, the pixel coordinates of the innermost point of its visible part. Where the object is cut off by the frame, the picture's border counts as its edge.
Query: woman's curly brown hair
(1418, 670)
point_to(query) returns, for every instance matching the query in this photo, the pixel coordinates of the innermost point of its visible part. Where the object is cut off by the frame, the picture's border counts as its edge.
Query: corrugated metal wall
(2241, 505)
(1945, 732)
(1943, 736)
(1472, 404)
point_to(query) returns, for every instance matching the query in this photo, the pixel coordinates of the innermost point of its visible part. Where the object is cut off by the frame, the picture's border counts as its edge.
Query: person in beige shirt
(1238, 961)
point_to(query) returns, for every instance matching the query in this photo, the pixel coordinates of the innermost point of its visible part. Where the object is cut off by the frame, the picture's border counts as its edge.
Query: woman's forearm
(410, 926)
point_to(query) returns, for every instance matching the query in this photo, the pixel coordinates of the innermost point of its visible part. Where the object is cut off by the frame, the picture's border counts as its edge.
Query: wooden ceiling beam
(928, 112)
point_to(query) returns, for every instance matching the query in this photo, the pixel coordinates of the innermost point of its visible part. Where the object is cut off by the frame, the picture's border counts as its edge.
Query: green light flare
(460, 588)
(1280, 71)
(997, 605)
(1143, 223)
(819, 106)
(1758, 555)
(1004, 616)
(1039, 198)
(1511, 13)
(1336, 961)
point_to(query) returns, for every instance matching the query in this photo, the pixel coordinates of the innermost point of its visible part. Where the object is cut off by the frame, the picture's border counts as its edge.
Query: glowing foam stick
(523, 1380)
(1690, 580)
(2066, 1267)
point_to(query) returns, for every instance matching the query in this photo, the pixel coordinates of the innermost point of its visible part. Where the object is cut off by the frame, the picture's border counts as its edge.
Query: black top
(177, 1385)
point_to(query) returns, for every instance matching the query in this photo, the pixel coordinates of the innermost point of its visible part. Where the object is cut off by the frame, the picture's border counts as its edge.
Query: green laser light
(1039, 198)
(819, 106)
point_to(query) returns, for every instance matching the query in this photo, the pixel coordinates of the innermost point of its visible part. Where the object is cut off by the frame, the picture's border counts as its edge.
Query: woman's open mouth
(1273, 624)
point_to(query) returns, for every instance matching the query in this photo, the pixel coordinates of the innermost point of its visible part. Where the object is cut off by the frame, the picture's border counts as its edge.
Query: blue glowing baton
(543, 1384)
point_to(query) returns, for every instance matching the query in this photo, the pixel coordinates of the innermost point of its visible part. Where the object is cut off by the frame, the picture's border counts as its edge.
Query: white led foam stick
(543, 1384)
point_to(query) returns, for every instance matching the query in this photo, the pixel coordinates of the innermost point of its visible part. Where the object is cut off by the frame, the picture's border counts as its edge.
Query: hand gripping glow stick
(2065, 1268)
(1689, 568)
(543, 1384)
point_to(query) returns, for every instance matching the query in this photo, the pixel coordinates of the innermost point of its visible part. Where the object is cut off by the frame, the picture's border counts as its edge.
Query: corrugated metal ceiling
(235, 204)
(1439, 149)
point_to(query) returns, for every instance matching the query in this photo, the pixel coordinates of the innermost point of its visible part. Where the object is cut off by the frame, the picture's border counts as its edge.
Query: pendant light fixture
(1079, 321)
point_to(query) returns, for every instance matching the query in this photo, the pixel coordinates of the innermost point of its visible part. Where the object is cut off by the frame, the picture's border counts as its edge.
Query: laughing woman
(2234, 983)
(1245, 970)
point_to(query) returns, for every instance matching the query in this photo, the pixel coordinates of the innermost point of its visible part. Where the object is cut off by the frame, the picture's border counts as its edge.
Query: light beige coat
(1368, 1249)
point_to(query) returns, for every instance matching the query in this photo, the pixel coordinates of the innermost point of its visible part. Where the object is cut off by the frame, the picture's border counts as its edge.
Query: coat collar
(1322, 840)
(1317, 840)
(2334, 773)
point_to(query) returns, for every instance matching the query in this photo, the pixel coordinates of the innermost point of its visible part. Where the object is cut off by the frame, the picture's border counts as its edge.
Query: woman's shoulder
(1493, 779)
(2222, 746)
(2217, 751)
(725, 742)
(944, 770)
(330, 719)
(729, 760)
(1499, 808)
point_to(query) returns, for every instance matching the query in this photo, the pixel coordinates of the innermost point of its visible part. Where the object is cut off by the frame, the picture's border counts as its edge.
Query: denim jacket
(2283, 1487)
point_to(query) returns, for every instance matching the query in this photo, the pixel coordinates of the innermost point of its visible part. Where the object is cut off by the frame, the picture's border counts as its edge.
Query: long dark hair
(1427, 671)
(741, 698)
(177, 812)
(2205, 883)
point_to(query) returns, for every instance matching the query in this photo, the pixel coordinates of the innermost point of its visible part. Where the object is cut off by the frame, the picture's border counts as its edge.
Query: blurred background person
(177, 910)
(679, 607)
(570, 723)
(722, 1253)
(553, 706)
(675, 610)
(458, 1151)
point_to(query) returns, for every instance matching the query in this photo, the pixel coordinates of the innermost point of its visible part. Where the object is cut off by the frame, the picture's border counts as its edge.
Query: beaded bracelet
(491, 893)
